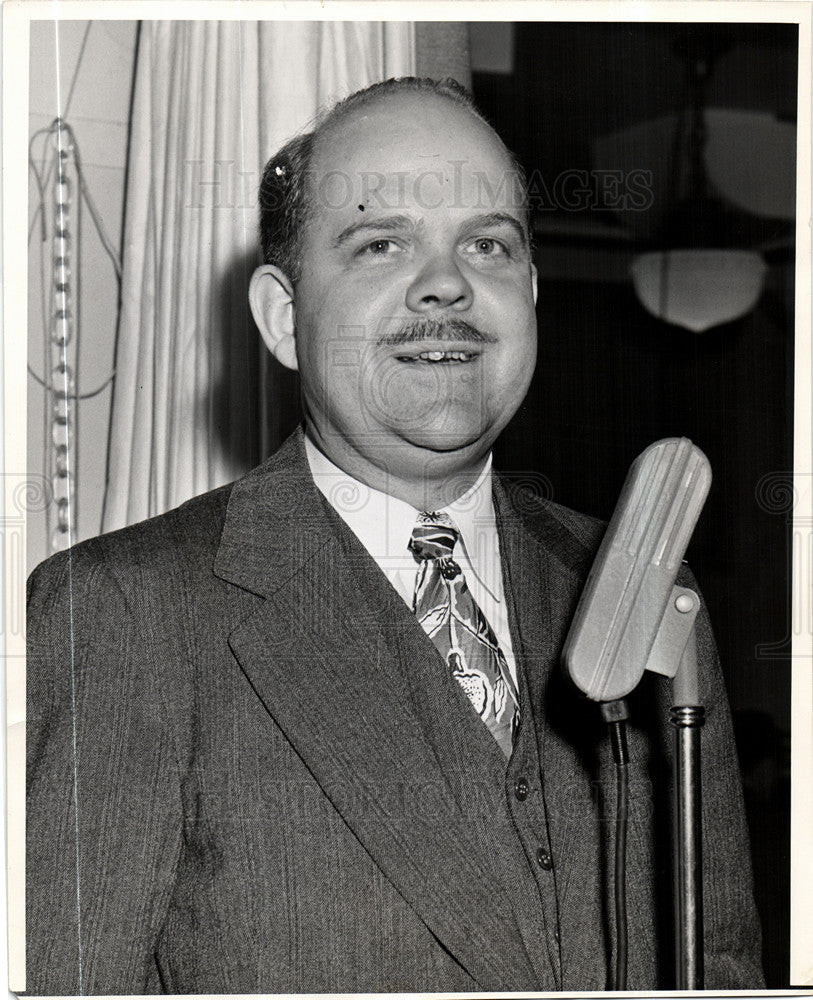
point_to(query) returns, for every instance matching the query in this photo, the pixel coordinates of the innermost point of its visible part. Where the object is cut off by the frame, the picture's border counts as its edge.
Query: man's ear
(533, 280)
(271, 296)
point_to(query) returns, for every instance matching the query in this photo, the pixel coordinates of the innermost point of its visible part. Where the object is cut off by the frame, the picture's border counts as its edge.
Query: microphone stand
(688, 716)
(674, 654)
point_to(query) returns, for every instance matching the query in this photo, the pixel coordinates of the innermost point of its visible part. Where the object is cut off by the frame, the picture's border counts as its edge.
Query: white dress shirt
(383, 525)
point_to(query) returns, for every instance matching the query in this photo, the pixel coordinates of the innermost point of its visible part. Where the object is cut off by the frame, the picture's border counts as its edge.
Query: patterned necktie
(453, 621)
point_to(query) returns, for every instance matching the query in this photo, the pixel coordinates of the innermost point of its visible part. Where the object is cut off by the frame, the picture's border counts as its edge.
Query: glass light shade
(698, 289)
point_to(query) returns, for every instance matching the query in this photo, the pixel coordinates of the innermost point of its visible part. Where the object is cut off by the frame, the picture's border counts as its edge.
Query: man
(263, 754)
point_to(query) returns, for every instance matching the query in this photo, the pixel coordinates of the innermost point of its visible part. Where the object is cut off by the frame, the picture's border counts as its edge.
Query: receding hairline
(331, 124)
(333, 120)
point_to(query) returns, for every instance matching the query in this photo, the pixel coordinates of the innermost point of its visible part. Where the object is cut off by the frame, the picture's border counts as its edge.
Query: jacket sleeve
(732, 938)
(103, 813)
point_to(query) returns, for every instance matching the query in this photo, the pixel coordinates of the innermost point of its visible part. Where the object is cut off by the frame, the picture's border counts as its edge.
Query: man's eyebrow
(403, 224)
(493, 219)
(393, 223)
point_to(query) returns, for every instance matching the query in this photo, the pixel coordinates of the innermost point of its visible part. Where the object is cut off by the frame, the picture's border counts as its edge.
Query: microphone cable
(615, 714)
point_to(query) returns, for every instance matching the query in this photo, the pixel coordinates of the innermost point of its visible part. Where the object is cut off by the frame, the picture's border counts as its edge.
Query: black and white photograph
(408, 498)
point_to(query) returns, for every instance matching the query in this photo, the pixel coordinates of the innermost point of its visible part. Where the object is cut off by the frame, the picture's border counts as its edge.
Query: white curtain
(212, 102)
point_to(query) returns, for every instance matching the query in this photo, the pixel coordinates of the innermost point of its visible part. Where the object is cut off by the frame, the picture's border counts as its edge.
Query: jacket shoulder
(582, 528)
(569, 536)
(182, 538)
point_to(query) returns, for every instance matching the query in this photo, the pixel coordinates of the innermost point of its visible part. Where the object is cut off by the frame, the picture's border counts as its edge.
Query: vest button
(521, 789)
(544, 859)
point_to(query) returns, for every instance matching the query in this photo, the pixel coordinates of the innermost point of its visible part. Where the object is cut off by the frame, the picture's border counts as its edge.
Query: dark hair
(284, 198)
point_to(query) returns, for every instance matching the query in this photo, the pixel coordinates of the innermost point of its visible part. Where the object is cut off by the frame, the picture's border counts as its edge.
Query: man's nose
(439, 285)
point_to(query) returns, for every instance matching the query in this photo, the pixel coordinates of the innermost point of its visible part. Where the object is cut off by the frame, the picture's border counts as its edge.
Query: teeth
(445, 356)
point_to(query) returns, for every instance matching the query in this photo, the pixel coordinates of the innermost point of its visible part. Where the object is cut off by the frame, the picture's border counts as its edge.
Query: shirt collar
(383, 524)
(473, 513)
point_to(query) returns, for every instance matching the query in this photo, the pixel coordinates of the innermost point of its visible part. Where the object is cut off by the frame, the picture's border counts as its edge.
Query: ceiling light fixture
(699, 277)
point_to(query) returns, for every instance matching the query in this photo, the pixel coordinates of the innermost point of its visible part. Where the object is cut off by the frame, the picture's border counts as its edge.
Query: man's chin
(463, 442)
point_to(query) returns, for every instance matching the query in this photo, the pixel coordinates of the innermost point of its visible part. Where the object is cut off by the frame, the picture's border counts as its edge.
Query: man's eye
(378, 248)
(487, 246)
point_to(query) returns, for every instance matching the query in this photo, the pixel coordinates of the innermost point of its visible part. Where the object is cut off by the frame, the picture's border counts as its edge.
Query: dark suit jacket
(249, 771)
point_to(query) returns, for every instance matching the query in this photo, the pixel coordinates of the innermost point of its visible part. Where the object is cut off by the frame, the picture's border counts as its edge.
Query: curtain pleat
(212, 101)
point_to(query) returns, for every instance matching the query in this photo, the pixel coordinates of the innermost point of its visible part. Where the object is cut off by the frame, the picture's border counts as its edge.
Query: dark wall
(611, 380)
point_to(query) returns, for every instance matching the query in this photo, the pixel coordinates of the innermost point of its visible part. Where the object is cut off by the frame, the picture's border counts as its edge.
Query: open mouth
(440, 357)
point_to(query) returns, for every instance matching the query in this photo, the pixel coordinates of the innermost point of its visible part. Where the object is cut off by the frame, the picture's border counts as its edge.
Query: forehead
(411, 150)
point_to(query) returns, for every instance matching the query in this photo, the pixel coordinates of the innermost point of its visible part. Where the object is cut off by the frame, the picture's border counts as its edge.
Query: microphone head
(620, 611)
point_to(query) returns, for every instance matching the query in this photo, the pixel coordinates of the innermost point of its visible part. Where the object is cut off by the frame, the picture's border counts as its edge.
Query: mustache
(433, 328)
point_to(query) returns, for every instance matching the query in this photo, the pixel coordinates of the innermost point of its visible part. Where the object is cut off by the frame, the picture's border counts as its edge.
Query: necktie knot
(434, 537)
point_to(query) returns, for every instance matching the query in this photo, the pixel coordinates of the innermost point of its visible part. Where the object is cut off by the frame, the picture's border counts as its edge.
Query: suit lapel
(544, 568)
(359, 691)
(526, 578)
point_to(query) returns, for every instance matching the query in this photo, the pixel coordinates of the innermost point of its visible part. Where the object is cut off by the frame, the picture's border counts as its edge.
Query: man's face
(415, 321)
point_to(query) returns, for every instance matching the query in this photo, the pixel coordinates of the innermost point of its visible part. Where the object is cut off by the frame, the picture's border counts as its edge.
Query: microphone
(624, 601)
